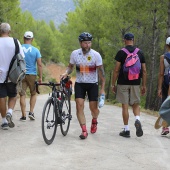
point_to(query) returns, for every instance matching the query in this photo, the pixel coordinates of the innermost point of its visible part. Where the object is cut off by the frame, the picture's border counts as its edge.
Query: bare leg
(80, 111)
(136, 109)
(94, 109)
(23, 105)
(11, 105)
(125, 114)
(12, 102)
(3, 107)
(81, 117)
(32, 102)
(95, 113)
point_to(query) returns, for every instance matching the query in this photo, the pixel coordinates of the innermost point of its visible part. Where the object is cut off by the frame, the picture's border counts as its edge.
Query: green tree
(109, 20)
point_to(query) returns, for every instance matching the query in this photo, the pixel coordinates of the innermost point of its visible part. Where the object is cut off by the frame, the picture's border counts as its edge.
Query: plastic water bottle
(101, 100)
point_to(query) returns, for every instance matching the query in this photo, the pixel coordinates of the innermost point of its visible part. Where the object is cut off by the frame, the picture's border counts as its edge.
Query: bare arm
(39, 65)
(144, 76)
(115, 75)
(68, 71)
(102, 78)
(161, 75)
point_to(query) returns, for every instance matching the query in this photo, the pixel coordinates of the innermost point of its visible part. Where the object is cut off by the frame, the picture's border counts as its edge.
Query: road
(22, 147)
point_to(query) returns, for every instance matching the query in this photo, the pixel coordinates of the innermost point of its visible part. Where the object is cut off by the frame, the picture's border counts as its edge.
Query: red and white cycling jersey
(86, 65)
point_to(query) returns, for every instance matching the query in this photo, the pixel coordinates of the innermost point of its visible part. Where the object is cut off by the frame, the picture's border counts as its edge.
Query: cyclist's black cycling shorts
(90, 88)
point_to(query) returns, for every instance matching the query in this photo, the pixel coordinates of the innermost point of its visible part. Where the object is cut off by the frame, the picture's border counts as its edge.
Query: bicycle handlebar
(52, 84)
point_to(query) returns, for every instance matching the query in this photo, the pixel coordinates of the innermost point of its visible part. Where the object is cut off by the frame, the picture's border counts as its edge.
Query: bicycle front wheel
(65, 114)
(49, 124)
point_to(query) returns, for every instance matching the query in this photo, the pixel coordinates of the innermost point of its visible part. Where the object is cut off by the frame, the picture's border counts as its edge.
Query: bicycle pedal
(70, 117)
(59, 120)
(48, 125)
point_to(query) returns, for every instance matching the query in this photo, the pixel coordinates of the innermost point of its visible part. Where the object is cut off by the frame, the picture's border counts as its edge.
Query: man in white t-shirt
(7, 51)
(89, 66)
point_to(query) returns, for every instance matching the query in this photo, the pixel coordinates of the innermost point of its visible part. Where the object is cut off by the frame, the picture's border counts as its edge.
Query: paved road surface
(23, 147)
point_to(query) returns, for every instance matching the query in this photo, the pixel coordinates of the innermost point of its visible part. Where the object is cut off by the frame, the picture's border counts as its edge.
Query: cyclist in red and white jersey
(89, 67)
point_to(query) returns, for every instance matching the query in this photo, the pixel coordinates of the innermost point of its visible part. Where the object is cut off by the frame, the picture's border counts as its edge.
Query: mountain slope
(47, 10)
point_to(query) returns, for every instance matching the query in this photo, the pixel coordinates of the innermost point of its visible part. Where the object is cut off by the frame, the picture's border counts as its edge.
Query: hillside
(54, 10)
(55, 70)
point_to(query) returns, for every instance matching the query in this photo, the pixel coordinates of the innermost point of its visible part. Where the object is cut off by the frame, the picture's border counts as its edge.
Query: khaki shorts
(28, 81)
(128, 94)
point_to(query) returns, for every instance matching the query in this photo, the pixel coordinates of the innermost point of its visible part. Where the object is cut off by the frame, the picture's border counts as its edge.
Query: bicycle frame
(59, 102)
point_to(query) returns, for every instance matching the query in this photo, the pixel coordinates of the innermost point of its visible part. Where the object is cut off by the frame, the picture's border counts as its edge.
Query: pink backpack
(132, 65)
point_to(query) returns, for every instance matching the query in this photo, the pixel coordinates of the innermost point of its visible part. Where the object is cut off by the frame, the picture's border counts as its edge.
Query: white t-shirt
(86, 65)
(7, 51)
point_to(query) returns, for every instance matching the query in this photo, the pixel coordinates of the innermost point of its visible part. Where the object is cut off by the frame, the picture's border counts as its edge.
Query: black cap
(129, 36)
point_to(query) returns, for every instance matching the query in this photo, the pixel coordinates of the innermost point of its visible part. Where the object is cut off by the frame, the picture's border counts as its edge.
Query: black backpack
(167, 77)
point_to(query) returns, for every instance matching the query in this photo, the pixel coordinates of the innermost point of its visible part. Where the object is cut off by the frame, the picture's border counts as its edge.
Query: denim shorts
(8, 89)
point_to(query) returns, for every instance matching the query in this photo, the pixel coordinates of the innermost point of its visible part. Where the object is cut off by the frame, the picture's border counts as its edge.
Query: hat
(129, 36)
(28, 34)
(168, 41)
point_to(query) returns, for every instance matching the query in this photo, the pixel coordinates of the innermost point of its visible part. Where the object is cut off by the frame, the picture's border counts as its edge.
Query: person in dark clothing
(163, 85)
(128, 91)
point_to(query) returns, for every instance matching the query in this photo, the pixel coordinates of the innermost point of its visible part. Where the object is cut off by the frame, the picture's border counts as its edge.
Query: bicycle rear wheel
(49, 124)
(65, 114)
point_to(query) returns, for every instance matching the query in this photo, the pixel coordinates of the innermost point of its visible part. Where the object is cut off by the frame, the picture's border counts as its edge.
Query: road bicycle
(57, 109)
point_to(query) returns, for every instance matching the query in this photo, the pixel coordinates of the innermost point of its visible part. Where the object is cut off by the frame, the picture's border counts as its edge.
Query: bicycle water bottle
(101, 100)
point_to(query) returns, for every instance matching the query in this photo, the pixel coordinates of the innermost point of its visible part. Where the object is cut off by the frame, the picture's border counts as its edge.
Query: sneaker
(23, 118)
(165, 131)
(125, 133)
(139, 131)
(31, 116)
(9, 119)
(83, 135)
(5, 126)
(94, 126)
